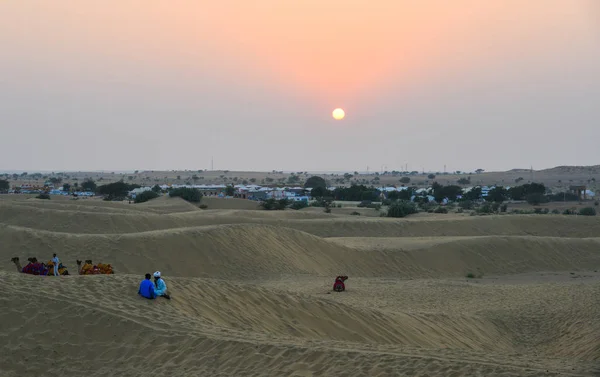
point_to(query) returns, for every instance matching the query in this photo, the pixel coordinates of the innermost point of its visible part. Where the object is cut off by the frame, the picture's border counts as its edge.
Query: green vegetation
(189, 194)
(43, 195)
(587, 211)
(401, 208)
(145, 196)
(274, 204)
(297, 205)
(4, 185)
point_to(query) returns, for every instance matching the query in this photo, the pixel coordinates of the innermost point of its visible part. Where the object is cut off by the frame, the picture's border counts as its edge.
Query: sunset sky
(166, 84)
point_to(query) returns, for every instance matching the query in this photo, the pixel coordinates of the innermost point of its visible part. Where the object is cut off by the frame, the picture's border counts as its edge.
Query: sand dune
(320, 224)
(252, 293)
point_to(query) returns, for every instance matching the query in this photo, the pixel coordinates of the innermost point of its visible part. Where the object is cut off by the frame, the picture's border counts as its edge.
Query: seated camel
(32, 268)
(339, 285)
(62, 270)
(90, 269)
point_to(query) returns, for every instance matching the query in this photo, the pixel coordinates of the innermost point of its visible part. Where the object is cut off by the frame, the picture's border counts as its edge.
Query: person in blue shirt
(147, 288)
(161, 286)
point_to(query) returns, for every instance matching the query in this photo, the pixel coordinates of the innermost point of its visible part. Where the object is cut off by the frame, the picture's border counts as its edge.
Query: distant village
(261, 193)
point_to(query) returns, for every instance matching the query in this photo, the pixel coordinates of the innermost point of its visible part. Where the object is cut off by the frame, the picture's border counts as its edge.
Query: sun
(338, 114)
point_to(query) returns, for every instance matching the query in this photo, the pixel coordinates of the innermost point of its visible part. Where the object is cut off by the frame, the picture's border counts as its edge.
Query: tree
(189, 194)
(66, 187)
(292, 179)
(401, 208)
(89, 185)
(145, 196)
(55, 180)
(156, 188)
(319, 192)
(230, 191)
(4, 185)
(440, 192)
(473, 194)
(498, 194)
(253, 180)
(405, 180)
(536, 198)
(431, 176)
(314, 182)
(464, 181)
(479, 171)
(118, 189)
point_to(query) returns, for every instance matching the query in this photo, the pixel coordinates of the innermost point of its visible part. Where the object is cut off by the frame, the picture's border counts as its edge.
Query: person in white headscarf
(161, 286)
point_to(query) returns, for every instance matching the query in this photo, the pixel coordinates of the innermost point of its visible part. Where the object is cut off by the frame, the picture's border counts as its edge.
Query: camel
(90, 269)
(339, 285)
(32, 268)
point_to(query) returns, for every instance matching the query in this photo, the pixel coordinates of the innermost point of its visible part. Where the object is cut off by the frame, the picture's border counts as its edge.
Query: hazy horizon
(132, 85)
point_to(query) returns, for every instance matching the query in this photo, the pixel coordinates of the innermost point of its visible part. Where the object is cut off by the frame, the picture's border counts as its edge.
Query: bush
(596, 203)
(470, 275)
(401, 208)
(441, 210)
(569, 211)
(555, 211)
(43, 195)
(503, 207)
(541, 211)
(355, 213)
(466, 204)
(587, 211)
(460, 210)
(486, 209)
(536, 199)
(203, 206)
(274, 204)
(145, 196)
(190, 194)
(327, 210)
(299, 205)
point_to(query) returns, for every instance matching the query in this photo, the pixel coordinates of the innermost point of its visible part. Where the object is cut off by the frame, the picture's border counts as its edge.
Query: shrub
(503, 207)
(587, 211)
(401, 208)
(441, 210)
(190, 194)
(541, 211)
(377, 207)
(486, 208)
(327, 210)
(495, 206)
(355, 213)
(536, 199)
(274, 204)
(596, 203)
(299, 205)
(466, 204)
(555, 211)
(203, 206)
(569, 211)
(145, 196)
(43, 195)
(470, 275)
(460, 210)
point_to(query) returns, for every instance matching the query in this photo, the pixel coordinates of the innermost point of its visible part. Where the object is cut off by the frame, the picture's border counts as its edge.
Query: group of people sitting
(153, 289)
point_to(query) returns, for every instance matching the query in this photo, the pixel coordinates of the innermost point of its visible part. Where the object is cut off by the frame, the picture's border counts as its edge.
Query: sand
(252, 292)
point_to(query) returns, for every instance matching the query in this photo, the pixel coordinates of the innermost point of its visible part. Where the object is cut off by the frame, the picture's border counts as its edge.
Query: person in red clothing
(339, 285)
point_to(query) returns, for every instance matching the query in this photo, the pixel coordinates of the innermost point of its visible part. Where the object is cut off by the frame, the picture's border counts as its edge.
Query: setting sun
(338, 114)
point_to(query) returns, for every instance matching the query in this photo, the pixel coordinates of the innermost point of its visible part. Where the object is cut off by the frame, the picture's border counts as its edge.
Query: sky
(172, 84)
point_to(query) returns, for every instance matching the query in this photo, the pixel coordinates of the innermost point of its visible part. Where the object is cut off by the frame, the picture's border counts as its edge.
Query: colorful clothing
(161, 287)
(147, 289)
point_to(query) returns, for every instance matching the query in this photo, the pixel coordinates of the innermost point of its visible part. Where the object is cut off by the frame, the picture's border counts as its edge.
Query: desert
(427, 295)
